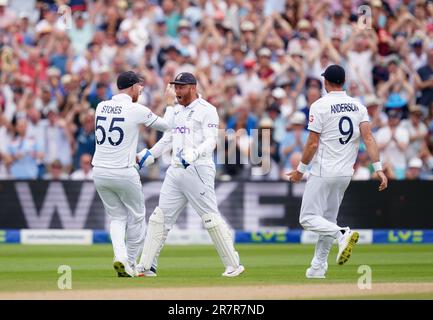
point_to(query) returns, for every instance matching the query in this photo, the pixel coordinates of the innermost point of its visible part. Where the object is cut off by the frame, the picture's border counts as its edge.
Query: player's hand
(383, 180)
(145, 157)
(190, 155)
(169, 95)
(295, 176)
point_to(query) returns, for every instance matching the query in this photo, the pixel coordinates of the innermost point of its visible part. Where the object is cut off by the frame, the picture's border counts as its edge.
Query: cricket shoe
(317, 273)
(233, 272)
(123, 269)
(141, 272)
(345, 246)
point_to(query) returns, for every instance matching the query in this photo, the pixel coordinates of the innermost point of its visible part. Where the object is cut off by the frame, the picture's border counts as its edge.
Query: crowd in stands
(258, 61)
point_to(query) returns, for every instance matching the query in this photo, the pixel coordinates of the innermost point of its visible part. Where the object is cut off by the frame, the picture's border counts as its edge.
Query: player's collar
(122, 96)
(192, 104)
(337, 92)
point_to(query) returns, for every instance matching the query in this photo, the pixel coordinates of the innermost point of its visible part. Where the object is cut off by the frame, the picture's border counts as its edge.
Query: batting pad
(222, 239)
(154, 238)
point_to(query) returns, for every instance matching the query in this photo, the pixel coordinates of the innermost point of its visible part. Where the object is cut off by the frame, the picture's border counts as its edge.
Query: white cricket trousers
(121, 193)
(195, 184)
(319, 210)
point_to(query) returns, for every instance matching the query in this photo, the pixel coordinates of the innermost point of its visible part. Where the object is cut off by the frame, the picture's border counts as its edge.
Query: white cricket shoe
(345, 246)
(123, 269)
(233, 272)
(317, 273)
(141, 272)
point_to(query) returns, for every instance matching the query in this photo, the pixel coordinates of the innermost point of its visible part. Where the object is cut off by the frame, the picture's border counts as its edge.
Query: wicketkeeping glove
(190, 155)
(145, 157)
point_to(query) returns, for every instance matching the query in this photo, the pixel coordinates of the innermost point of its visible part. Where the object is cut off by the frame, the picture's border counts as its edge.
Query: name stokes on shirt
(112, 109)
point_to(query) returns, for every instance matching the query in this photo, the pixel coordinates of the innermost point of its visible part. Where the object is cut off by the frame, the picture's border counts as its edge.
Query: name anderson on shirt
(344, 107)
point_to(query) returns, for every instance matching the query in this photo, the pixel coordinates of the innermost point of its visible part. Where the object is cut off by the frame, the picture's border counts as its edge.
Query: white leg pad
(154, 238)
(222, 239)
(158, 252)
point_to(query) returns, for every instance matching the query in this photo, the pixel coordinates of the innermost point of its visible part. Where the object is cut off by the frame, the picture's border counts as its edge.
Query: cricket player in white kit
(336, 123)
(116, 179)
(190, 177)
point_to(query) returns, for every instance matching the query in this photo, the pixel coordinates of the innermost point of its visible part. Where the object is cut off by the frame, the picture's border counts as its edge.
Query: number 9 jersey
(116, 130)
(336, 117)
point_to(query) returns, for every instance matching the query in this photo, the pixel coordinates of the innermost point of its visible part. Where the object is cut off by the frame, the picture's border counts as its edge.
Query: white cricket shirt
(116, 128)
(192, 127)
(337, 117)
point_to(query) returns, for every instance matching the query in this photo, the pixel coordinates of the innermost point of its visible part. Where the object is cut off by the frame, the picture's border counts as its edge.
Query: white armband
(377, 166)
(302, 167)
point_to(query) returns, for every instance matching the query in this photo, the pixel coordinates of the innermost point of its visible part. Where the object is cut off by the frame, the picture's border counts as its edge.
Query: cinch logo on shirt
(344, 107)
(212, 125)
(181, 130)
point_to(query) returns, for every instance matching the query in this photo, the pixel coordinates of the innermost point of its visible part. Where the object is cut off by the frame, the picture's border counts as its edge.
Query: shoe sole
(347, 252)
(143, 275)
(120, 269)
(235, 273)
(315, 277)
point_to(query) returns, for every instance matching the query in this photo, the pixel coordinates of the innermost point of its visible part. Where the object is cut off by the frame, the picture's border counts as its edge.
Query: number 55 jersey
(336, 117)
(116, 129)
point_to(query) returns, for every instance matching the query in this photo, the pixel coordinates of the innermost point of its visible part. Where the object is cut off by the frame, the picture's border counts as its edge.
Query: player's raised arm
(151, 120)
(159, 124)
(162, 124)
(146, 157)
(373, 153)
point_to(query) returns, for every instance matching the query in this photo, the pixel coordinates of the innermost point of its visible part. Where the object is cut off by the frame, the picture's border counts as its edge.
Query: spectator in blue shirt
(312, 95)
(23, 153)
(425, 81)
(85, 137)
(242, 119)
(295, 138)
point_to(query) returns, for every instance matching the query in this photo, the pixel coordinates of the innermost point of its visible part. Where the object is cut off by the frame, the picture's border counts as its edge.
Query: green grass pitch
(34, 268)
